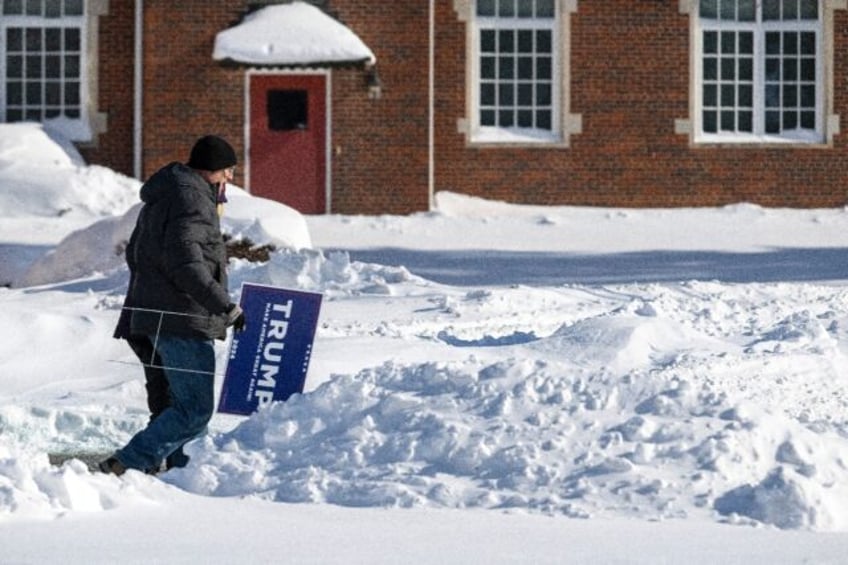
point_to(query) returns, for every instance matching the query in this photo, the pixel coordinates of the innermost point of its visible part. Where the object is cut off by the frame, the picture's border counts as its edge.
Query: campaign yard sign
(268, 360)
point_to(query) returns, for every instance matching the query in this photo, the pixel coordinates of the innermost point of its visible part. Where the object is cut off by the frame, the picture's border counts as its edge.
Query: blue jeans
(190, 369)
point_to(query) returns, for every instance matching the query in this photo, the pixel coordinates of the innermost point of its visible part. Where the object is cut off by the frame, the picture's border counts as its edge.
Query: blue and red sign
(268, 359)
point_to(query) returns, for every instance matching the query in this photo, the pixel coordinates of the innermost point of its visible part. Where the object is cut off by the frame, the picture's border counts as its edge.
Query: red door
(288, 140)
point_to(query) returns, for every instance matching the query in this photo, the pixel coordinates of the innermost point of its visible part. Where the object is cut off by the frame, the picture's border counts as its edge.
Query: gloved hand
(235, 318)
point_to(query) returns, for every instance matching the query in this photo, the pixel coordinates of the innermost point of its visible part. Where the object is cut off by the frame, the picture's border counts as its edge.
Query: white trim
(564, 124)
(826, 123)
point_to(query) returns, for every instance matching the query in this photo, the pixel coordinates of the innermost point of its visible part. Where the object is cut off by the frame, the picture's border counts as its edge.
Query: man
(178, 301)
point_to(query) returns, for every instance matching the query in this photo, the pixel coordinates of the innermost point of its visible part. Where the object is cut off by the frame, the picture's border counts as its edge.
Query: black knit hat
(211, 153)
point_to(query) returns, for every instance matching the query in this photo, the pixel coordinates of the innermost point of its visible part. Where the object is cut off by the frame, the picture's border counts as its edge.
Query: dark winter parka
(177, 260)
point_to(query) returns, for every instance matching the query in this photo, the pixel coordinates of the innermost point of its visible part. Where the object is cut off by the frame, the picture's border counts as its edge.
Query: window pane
(506, 118)
(72, 39)
(525, 68)
(506, 95)
(72, 97)
(72, 113)
(790, 70)
(543, 119)
(746, 69)
(33, 39)
(746, 122)
(747, 11)
(808, 43)
(746, 43)
(52, 113)
(487, 67)
(710, 95)
(525, 94)
(14, 66)
(790, 96)
(13, 7)
(14, 93)
(53, 39)
(506, 8)
(709, 9)
(544, 41)
(543, 68)
(53, 8)
(487, 118)
(808, 120)
(710, 121)
(809, 9)
(525, 41)
(772, 69)
(728, 9)
(808, 96)
(487, 41)
(14, 39)
(72, 66)
(728, 95)
(486, 8)
(506, 68)
(790, 43)
(506, 39)
(790, 9)
(543, 95)
(710, 68)
(53, 93)
(746, 97)
(33, 66)
(710, 42)
(771, 9)
(525, 118)
(33, 115)
(808, 69)
(772, 96)
(33, 7)
(728, 68)
(545, 8)
(728, 42)
(33, 93)
(773, 43)
(525, 8)
(53, 66)
(790, 120)
(728, 121)
(487, 94)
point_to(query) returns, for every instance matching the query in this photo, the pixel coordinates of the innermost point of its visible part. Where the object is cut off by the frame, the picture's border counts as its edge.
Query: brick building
(640, 103)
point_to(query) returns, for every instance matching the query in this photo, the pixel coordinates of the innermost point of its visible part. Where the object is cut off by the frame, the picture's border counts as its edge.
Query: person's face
(220, 176)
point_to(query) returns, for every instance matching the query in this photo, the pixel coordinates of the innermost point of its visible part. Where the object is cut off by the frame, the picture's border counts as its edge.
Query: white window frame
(563, 124)
(83, 128)
(826, 123)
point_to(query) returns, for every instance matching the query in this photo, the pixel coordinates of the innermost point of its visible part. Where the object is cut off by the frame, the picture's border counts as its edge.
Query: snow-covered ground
(490, 383)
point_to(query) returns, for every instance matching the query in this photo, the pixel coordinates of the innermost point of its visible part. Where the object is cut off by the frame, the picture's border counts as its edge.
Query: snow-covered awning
(291, 34)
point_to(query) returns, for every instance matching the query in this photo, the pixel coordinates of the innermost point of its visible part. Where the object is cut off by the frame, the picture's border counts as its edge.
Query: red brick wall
(380, 146)
(186, 93)
(629, 82)
(114, 147)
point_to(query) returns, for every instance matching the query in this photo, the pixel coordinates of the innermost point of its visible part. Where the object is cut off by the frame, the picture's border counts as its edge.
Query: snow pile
(657, 409)
(296, 33)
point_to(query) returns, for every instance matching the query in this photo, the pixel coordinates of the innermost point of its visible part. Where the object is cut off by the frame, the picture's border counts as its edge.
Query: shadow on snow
(487, 267)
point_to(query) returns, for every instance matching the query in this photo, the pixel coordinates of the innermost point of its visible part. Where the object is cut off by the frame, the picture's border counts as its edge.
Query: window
(43, 67)
(287, 110)
(517, 70)
(759, 71)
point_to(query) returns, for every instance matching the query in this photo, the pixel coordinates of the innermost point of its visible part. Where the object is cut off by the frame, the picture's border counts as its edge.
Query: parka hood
(166, 179)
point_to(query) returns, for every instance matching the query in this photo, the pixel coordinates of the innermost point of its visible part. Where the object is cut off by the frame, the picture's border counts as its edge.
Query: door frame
(328, 84)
